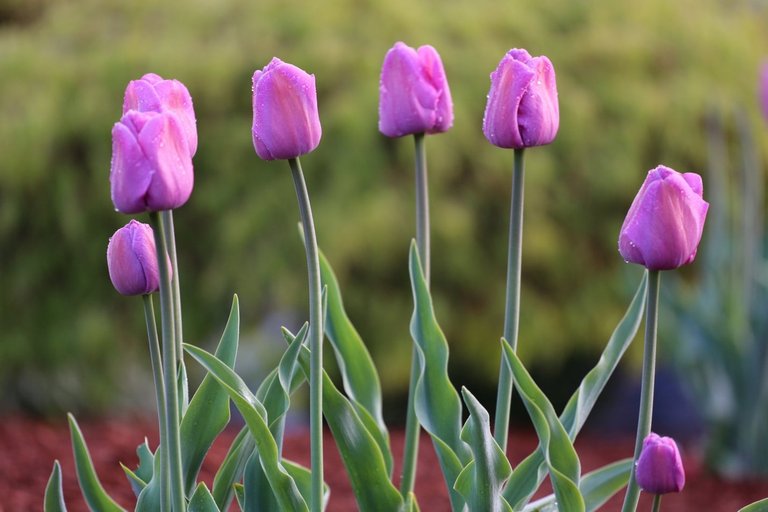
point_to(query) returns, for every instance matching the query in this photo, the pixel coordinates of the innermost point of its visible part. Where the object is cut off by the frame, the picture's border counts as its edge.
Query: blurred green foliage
(634, 85)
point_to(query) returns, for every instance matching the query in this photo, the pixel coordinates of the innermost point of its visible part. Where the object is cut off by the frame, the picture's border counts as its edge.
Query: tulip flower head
(286, 123)
(413, 92)
(664, 225)
(151, 162)
(659, 468)
(764, 89)
(522, 109)
(151, 93)
(132, 260)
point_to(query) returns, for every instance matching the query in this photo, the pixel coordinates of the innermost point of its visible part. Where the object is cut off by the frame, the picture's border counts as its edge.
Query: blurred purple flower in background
(659, 468)
(132, 260)
(522, 109)
(413, 92)
(286, 123)
(663, 227)
(763, 86)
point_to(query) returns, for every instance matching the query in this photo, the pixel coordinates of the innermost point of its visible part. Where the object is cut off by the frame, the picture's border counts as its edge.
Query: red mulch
(28, 449)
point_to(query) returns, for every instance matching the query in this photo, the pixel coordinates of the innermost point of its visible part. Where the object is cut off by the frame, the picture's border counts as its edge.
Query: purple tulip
(132, 260)
(663, 227)
(413, 92)
(286, 123)
(152, 93)
(659, 469)
(522, 109)
(764, 89)
(151, 163)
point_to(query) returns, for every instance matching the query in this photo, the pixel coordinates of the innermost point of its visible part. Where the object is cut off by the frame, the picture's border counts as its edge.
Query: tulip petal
(130, 173)
(165, 146)
(508, 86)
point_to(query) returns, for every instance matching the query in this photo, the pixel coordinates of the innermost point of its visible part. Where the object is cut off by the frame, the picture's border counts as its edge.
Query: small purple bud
(413, 92)
(151, 163)
(132, 260)
(286, 123)
(659, 469)
(152, 93)
(522, 109)
(664, 225)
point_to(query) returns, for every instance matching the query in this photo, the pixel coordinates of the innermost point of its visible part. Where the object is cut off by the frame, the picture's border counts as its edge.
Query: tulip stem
(170, 236)
(656, 503)
(315, 337)
(646, 391)
(173, 445)
(411, 450)
(512, 311)
(157, 374)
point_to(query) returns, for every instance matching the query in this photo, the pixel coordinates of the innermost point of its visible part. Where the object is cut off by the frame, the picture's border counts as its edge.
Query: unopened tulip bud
(151, 163)
(664, 225)
(522, 109)
(659, 468)
(132, 260)
(413, 92)
(151, 93)
(286, 123)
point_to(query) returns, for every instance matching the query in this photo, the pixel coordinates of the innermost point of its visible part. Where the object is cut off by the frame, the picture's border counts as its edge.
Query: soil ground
(28, 449)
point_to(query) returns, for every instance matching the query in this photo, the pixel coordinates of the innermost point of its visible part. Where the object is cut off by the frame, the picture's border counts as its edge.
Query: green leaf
(481, 480)
(361, 381)
(202, 501)
(143, 474)
(529, 474)
(360, 452)
(559, 454)
(303, 478)
(54, 495)
(758, 506)
(149, 498)
(93, 492)
(411, 505)
(437, 403)
(598, 486)
(231, 468)
(208, 412)
(255, 416)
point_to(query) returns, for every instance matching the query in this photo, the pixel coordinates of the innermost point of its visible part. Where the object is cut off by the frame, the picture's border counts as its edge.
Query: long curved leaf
(361, 381)
(54, 494)
(208, 412)
(254, 414)
(481, 480)
(529, 474)
(758, 506)
(559, 454)
(93, 492)
(598, 486)
(360, 452)
(437, 404)
(231, 468)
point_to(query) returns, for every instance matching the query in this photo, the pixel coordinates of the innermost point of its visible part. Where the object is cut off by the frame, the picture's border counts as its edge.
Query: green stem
(411, 450)
(315, 337)
(170, 237)
(646, 391)
(173, 448)
(157, 374)
(512, 311)
(656, 503)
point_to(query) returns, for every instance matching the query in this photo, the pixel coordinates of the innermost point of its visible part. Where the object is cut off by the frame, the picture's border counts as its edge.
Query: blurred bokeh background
(636, 83)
